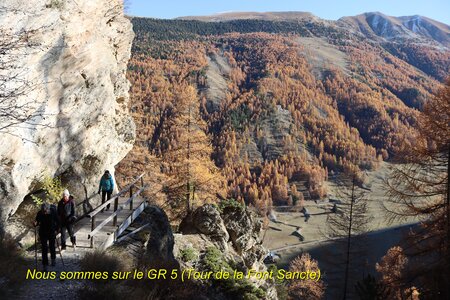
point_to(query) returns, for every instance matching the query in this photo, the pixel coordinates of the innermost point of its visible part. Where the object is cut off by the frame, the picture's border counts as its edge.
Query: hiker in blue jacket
(106, 187)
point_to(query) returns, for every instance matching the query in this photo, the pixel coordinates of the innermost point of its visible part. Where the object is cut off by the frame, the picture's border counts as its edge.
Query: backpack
(106, 183)
(55, 218)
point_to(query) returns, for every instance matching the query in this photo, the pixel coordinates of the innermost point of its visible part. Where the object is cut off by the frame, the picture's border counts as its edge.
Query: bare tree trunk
(347, 262)
(188, 156)
(447, 259)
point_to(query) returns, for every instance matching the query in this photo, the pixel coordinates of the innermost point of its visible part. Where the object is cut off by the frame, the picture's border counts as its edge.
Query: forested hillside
(264, 111)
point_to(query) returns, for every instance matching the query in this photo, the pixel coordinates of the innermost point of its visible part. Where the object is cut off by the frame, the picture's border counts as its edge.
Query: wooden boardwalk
(100, 229)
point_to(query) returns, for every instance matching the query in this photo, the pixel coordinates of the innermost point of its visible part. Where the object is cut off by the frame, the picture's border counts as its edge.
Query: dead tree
(419, 188)
(349, 225)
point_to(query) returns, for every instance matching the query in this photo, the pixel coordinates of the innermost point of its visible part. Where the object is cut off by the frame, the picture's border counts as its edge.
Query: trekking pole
(59, 249)
(35, 247)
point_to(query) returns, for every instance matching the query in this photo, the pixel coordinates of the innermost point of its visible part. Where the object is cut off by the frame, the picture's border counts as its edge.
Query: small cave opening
(20, 224)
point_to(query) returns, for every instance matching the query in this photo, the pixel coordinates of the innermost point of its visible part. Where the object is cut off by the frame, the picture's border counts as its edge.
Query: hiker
(106, 187)
(272, 216)
(334, 209)
(66, 213)
(298, 233)
(47, 220)
(306, 214)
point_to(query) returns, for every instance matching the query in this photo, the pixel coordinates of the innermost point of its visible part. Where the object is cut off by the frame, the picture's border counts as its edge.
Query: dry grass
(102, 261)
(12, 265)
(111, 261)
(116, 260)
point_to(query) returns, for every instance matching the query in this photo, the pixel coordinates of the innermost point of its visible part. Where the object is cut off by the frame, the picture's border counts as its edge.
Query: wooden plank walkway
(83, 227)
(99, 230)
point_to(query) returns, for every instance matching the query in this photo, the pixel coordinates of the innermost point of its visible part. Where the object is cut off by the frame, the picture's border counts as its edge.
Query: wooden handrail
(120, 208)
(87, 199)
(119, 194)
(133, 232)
(81, 204)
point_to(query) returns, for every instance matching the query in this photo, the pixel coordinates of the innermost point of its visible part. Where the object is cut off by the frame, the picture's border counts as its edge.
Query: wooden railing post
(113, 217)
(131, 196)
(92, 228)
(142, 181)
(116, 204)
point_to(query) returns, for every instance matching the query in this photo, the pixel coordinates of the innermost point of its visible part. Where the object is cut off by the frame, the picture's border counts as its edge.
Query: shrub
(102, 261)
(188, 254)
(280, 284)
(52, 187)
(229, 203)
(12, 265)
(214, 261)
(58, 4)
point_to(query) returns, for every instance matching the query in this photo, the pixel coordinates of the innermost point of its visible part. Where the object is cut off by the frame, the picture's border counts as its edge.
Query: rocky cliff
(224, 237)
(68, 69)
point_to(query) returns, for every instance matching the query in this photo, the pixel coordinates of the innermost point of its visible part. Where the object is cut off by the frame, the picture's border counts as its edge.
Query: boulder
(234, 225)
(160, 242)
(207, 220)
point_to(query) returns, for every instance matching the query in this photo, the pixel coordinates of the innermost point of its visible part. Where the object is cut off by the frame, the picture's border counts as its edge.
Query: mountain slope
(283, 104)
(418, 28)
(420, 41)
(267, 16)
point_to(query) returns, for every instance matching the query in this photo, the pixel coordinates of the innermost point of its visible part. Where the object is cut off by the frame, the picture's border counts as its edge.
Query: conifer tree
(420, 189)
(349, 224)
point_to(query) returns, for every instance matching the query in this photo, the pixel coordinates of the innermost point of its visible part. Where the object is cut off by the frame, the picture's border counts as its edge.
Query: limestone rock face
(73, 58)
(234, 230)
(244, 233)
(207, 220)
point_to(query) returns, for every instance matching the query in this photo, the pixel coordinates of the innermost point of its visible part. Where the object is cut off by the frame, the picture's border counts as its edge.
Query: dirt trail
(53, 289)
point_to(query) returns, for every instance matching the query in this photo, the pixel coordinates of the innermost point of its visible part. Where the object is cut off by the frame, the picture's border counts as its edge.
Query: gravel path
(54, 289)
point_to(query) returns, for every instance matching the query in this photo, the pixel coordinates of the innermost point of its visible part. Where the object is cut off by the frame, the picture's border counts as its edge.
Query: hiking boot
(53, 262)
(63, 247)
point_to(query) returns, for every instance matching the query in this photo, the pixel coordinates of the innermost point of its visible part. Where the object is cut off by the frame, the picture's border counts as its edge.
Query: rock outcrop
(244, 232)
(160, 242)
(224, 239)
(72, 55)
(207, 220)
(233, 230)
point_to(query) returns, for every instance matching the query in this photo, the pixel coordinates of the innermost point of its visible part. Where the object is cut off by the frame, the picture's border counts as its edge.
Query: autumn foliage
(305, 289)
(277, 129)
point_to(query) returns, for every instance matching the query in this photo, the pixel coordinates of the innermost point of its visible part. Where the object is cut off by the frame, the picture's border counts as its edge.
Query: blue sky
(327, 9)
